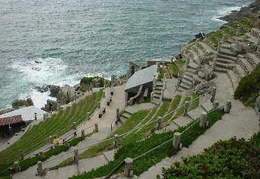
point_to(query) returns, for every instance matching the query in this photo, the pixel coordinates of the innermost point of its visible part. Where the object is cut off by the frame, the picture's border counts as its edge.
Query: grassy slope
(57, 125)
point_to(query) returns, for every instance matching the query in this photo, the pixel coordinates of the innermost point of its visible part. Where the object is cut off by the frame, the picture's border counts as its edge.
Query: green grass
(160, 73)
(174, 69)
(136, 148)
(180, 111)
(235, 158)
(195, 103)
(58, 124)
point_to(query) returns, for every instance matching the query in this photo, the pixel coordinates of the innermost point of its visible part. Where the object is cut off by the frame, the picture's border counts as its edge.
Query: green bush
(225, 159)
(249, 87)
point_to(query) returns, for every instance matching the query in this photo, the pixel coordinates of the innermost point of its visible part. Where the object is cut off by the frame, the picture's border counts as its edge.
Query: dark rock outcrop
(244, 11)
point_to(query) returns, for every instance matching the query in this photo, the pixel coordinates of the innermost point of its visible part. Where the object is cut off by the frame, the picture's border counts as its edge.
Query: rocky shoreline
(244, 11)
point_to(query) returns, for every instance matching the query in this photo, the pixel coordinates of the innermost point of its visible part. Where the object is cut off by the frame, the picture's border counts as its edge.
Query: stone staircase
(157, 93)
(253, 36)
(187, 78)
(235, 66)
(125, 116)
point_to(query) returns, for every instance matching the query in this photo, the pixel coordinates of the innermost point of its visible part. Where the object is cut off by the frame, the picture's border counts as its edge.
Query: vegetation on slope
(249, 87)
(135, 148)
(57, 125)
(235, 158)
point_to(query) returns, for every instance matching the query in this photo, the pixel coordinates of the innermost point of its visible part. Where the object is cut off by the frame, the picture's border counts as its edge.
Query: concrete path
(169, 92)
(242, 122)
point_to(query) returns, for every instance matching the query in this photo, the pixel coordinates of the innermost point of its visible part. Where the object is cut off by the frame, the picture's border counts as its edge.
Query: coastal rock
(19, 103)
(66, 94)
(54, 90)
(244, 11)
(51, 106)
(238, 48)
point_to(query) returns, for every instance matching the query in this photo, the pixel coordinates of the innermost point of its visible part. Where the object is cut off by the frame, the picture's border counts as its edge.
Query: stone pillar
(22, 154)
(238, 31)
(186, 108)
(40, 171)
(116, 142)
(214, 64)
(213, 94)
(203, 120)
(177, 140)
(74, 125)
(16, 167)
(42, 156)
(126, 98)
(129, 172)
(44, 116)
(227, 107)
(258, 41)
(96, 127)
(215, 104)
(76, 156)
(50, 139)
(82, 133)
(35, 116)
(159, 123)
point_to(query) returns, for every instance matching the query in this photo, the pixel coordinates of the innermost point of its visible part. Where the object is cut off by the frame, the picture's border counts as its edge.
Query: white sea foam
(225, 11)
(39, 99)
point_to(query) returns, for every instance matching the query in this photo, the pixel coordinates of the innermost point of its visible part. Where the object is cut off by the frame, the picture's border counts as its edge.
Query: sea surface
(59, 41)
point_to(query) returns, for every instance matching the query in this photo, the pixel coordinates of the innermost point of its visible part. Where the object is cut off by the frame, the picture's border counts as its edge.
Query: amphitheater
(139, 140)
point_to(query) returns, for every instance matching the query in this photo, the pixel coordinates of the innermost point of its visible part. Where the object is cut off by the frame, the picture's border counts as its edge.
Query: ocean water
(59, 41)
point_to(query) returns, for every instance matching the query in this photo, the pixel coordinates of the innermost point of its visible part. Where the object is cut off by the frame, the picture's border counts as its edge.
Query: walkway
(242, 122)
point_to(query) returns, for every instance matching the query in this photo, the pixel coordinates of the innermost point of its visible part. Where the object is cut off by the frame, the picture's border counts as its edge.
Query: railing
(115, 170)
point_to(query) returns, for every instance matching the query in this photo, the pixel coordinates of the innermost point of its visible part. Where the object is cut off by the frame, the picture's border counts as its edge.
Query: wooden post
(16, 167)
(129, 172)
(213, 94)
(215, 105)
(96, 127)
(82, 133)
(76, 156)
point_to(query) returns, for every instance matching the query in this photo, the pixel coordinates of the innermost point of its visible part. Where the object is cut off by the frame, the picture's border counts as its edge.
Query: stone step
(233, 79)
(156, 101)
(207, 48)
(186, 82)
(158, 92)
(253, 59)
(220, 70)
(157, 96)
(224, 65)
(193, 65)
(255, 32)
(227, 52)
(183, 121)
(227, 57)
(171, 127)
(251, 38)
(239, 71)
(126, 115)
(225, 46)
(188, 78)
(226, 61)
(158, 88)
(184, 86)
(246, 65)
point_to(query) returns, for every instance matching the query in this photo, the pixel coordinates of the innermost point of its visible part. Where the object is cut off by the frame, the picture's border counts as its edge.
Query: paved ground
(169, 92)
(242, 122)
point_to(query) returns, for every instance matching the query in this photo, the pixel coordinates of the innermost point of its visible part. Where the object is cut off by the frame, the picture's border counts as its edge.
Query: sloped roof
(10, 120)
(141, 77)
(27, 113)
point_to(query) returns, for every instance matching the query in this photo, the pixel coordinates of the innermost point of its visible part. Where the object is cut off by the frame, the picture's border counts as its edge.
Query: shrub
(249, 87)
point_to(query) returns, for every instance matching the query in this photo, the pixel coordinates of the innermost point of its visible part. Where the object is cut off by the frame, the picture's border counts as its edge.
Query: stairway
(157, 93)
